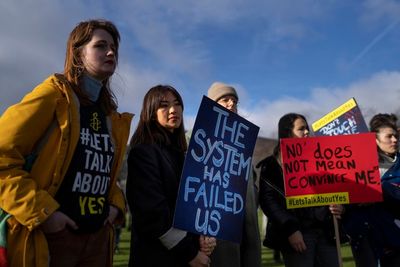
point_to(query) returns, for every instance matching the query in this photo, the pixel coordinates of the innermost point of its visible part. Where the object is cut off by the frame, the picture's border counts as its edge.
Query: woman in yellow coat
(62, 210)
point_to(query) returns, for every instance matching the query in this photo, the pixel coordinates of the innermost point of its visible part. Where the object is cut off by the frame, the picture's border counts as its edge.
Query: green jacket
(29, 197)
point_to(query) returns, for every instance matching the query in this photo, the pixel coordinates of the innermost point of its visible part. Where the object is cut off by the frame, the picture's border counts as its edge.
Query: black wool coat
(154, 173)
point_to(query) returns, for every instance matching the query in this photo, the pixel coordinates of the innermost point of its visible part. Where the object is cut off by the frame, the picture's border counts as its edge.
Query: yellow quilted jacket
(28, 197)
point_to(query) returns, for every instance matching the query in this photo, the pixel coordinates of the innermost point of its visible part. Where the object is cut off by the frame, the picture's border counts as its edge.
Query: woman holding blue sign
(304, 235)
(155, 164)
(375, 228)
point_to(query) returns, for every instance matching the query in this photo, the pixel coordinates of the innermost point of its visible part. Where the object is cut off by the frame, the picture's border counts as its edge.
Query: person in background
(248, 252)
(304, 235)
(155, 165)
(374, 234)
(64, 205)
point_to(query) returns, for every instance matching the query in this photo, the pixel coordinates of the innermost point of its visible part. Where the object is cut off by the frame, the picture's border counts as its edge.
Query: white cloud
(379, 93)
(34, 35)
(130, 84)
(33, 46)
(160, 45)
(375, 12)
(164, 36)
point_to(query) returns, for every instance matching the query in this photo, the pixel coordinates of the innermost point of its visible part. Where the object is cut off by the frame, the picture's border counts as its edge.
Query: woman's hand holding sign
(336, 210)
(207, 244)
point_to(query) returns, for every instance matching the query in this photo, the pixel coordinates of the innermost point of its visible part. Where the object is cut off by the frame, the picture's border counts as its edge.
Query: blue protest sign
(212, 191)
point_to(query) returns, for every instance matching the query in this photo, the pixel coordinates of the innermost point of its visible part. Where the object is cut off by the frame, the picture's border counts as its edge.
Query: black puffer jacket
(283, 222)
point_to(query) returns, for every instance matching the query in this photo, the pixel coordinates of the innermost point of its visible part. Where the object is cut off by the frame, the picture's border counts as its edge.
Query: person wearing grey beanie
(248, 252)
(224, 95)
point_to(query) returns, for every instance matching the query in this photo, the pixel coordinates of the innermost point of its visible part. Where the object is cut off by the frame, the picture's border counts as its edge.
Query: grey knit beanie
(218, 90)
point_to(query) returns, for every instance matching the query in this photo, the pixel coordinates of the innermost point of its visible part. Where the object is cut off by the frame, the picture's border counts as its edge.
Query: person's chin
(108, 72)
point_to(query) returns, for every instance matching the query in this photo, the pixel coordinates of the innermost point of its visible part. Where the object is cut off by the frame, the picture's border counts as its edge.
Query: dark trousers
(70, 249)
(320, 252)
(390, 258)
(365, 255)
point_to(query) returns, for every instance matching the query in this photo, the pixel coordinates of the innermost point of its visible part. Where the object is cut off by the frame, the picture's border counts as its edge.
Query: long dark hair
(149, 131)
(73, 66)
(285, 128)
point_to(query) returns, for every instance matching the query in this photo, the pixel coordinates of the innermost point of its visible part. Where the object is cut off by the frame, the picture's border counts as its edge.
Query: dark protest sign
(330, 170)
(346, 119)
(212, 191)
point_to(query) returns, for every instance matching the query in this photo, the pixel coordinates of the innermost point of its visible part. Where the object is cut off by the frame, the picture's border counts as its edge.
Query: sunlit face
(169, 114)
(300, 128)
(230, 102)
(387, 139)
(98, 55)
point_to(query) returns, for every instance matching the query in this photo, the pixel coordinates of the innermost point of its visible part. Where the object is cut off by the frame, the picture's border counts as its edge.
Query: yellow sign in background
(334, 114)
(317, 200)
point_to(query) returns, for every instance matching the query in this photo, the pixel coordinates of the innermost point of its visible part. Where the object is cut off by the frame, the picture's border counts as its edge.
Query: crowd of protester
(61, 204)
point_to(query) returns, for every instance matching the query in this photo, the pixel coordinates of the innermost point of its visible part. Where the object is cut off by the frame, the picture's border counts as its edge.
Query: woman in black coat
(304, 235)
(154, 169)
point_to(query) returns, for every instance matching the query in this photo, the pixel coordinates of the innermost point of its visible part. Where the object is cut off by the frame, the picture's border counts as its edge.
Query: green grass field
(121, 258)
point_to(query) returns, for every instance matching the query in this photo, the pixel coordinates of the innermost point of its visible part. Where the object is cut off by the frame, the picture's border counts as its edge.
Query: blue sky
(282, 56)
